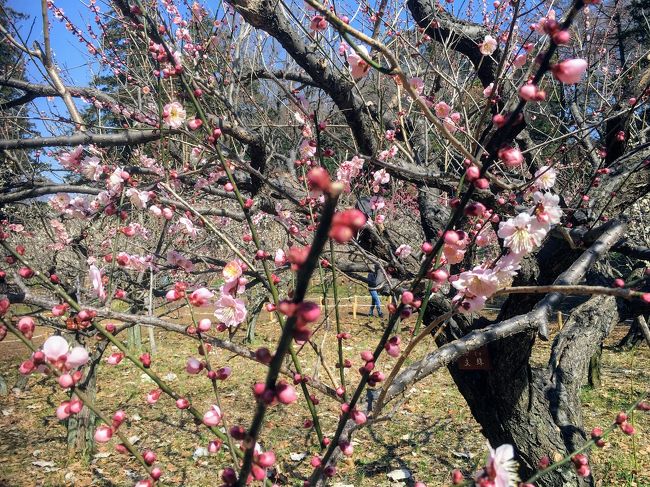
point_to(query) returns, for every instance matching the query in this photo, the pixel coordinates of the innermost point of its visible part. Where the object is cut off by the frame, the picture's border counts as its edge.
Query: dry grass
(431, 434)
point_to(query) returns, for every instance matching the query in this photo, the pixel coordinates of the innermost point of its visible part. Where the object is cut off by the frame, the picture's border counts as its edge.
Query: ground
(431, 434)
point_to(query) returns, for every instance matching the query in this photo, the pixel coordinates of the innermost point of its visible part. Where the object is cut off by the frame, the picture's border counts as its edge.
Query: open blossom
(235, 284)
(307, 149)
(98, 286)
(417, 84)
(177, 260)
(230, 311)
(115, 180)
(358, 67)
(70, 160)
(174, 115)
(442, 109)
(349, 170)
(185, 226)
(547, 208)
(488, 46)
(91, 168)
(545, 177)
(478, 282)
(522, 234)
(139, 199)
(387, 154)
(403, 251)
(59, 202)
(501, 466)
(377, 203)
(379, 177)
(506, 268)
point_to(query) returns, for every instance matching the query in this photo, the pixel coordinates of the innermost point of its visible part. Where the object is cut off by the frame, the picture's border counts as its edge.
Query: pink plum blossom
(547, 209)
(70, 160)
(201, 297)
(96, 279)
(57, 350)
(230, 311)
(403, 251)
(91, 168)
(570, 71)
(442, 109)
(417, 85)
(358, 67)
(138, 199)
(488, 46)
(213, 416)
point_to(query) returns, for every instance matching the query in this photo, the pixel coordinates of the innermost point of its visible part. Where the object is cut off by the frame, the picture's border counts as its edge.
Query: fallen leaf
(399, 474)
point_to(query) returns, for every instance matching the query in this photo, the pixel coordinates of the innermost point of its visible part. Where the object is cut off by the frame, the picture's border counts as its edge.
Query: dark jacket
(376, 281)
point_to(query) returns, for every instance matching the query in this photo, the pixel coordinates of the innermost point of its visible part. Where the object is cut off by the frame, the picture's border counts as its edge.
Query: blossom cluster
(521, 235)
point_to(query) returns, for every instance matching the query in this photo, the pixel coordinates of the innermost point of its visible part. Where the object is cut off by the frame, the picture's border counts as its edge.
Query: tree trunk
(594, 368)
(633, 337)
(81, 427)
(537, 409)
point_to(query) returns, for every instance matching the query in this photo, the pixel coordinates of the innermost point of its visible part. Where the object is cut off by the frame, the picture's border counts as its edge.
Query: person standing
(375, 283)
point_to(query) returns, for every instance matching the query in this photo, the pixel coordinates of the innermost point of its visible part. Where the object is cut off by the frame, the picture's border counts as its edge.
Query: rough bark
(513, 401)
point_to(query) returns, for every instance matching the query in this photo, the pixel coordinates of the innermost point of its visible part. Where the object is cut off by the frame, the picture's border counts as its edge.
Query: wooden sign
(476, 360)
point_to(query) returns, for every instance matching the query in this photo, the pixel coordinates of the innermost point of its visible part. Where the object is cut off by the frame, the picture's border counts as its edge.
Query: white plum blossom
(545, 177)
(522, 234)
(547, 209)
(174, 115)
(480, 281)
(502, 466)
(506, 268)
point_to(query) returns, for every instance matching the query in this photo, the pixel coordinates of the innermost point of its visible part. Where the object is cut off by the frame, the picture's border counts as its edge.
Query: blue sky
(69, 53)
